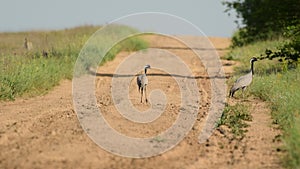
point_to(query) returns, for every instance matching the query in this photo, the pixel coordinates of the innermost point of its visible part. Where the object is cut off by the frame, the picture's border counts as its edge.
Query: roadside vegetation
(280, 88)
(236, 117)
(53, 55)
(270, 30)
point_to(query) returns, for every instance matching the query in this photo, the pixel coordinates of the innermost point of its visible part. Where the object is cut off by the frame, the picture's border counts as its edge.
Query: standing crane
(27, 44)
(142, 82)
(243, 81)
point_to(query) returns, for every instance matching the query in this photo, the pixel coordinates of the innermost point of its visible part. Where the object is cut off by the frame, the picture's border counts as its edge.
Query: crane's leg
(146, 94)
(231, 93)
(243, 91)
(142, 94)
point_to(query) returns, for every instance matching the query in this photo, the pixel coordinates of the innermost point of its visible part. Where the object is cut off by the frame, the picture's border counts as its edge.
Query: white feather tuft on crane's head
(253, 59)
(147, 67)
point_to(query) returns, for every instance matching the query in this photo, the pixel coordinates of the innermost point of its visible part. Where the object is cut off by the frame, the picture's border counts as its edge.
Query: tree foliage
(263, 19)
(267, 19)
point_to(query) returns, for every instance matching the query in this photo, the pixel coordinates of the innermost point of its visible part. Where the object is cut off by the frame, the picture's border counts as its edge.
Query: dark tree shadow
(156, 74)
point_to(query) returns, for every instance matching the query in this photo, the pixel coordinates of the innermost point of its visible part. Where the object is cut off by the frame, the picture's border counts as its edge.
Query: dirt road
(44, 132)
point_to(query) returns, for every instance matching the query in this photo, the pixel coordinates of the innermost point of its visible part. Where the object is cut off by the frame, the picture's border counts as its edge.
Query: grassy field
(52, 58)
(279, 87)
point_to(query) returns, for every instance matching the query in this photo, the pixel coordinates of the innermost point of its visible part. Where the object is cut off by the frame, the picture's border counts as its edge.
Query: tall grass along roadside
(280, 87)
(52, 58)
(282, 91)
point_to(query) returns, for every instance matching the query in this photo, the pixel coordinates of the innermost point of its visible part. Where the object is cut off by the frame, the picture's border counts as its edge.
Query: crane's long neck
(252, 69)
(145, 70)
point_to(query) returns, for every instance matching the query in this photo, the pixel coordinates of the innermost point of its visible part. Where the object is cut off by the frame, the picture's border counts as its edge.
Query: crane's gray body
(243, 81)
(142, 82)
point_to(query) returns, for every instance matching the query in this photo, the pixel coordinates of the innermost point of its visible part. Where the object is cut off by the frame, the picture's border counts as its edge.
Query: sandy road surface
(44, 132)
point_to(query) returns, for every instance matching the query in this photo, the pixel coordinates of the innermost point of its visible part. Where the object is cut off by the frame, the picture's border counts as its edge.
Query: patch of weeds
(158, 139)
(235, 118)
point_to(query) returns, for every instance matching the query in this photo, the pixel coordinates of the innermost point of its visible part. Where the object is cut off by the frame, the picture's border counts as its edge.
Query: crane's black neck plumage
(252, 63)
(146, 67)
(252, 71)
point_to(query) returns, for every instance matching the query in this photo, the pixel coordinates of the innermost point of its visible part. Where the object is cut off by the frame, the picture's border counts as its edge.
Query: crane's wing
(139, 81)
(242, 81)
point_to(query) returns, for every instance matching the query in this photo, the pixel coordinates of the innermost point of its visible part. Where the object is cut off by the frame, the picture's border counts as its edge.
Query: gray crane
(243, 81)
(142, 82)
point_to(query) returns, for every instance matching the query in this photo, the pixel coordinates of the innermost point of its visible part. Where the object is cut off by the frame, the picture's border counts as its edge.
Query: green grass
(30, 73)
(245, 53)
(36, 76)
(279, 87)
(235, 118)
(282, 91)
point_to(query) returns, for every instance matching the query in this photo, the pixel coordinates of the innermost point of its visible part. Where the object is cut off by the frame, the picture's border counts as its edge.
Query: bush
(289, 53)
(261, 20)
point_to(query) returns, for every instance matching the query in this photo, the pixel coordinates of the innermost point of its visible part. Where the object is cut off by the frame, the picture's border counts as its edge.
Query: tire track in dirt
(44, 132)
